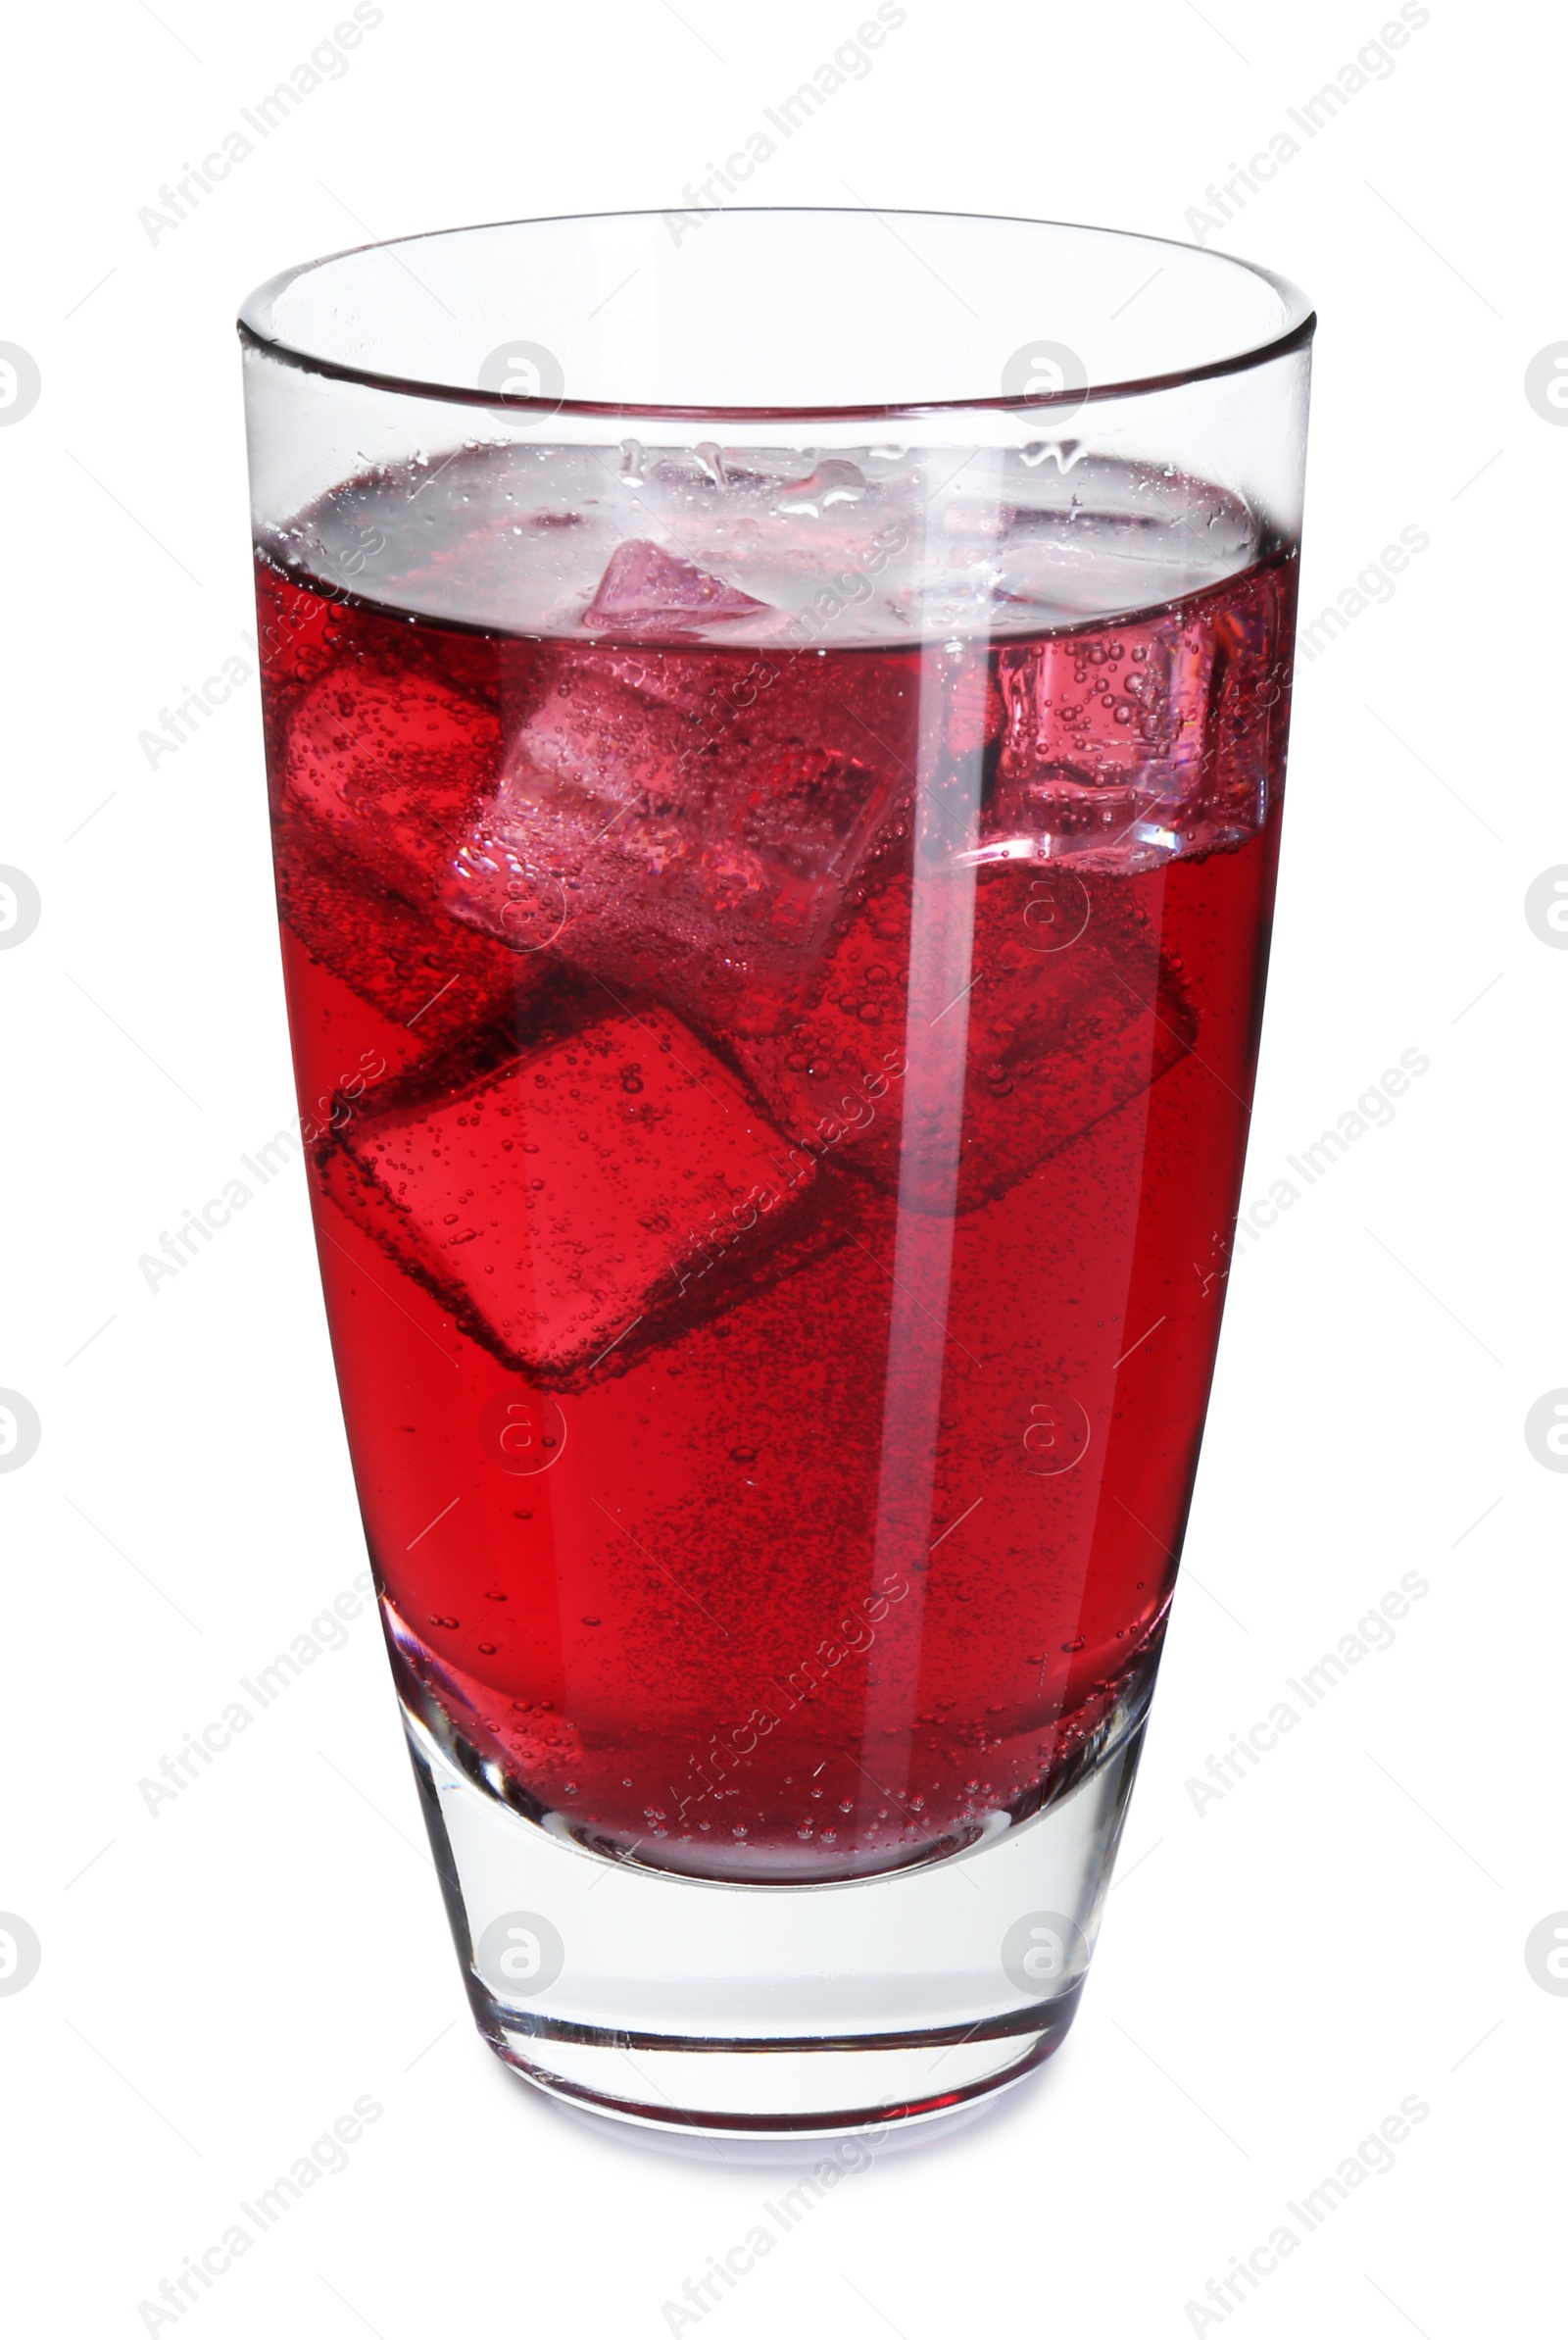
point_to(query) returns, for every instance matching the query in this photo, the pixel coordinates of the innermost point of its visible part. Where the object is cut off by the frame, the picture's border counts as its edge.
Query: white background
(1342, 1929)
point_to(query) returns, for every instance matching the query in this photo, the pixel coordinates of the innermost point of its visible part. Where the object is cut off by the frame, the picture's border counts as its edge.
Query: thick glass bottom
(669, 2000)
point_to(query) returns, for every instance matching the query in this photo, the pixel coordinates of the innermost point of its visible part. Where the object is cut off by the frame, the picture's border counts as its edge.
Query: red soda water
(774, 967)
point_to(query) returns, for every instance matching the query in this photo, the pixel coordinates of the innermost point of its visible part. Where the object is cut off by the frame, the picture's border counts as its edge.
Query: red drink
(779, 1087)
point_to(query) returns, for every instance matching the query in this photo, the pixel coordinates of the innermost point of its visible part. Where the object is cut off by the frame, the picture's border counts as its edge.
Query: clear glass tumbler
(776, 725)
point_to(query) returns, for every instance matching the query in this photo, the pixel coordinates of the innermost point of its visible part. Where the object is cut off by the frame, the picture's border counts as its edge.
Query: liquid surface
(778, 1077)
(878, 544)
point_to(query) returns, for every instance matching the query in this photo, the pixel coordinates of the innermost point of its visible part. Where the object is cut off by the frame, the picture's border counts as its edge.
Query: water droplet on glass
(834, 481)
(1067, 452)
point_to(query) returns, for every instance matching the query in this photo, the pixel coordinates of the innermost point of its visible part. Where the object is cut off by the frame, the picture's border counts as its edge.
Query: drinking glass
(776, 727)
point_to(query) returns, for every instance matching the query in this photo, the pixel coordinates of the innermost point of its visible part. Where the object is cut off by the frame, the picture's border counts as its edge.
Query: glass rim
(252, 324)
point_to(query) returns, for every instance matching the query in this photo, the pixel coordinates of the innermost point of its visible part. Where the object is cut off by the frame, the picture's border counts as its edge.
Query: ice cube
(429, 976)
(1140, 741)
(1059, 1034)
(388, 771)
(694, 820)
(583, 1195)
(645, 586)
(1101, 734)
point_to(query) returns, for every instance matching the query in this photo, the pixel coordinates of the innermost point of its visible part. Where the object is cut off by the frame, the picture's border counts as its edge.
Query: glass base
(668, 2000)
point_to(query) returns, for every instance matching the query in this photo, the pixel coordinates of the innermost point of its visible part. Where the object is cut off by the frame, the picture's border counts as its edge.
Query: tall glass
(776, 725)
